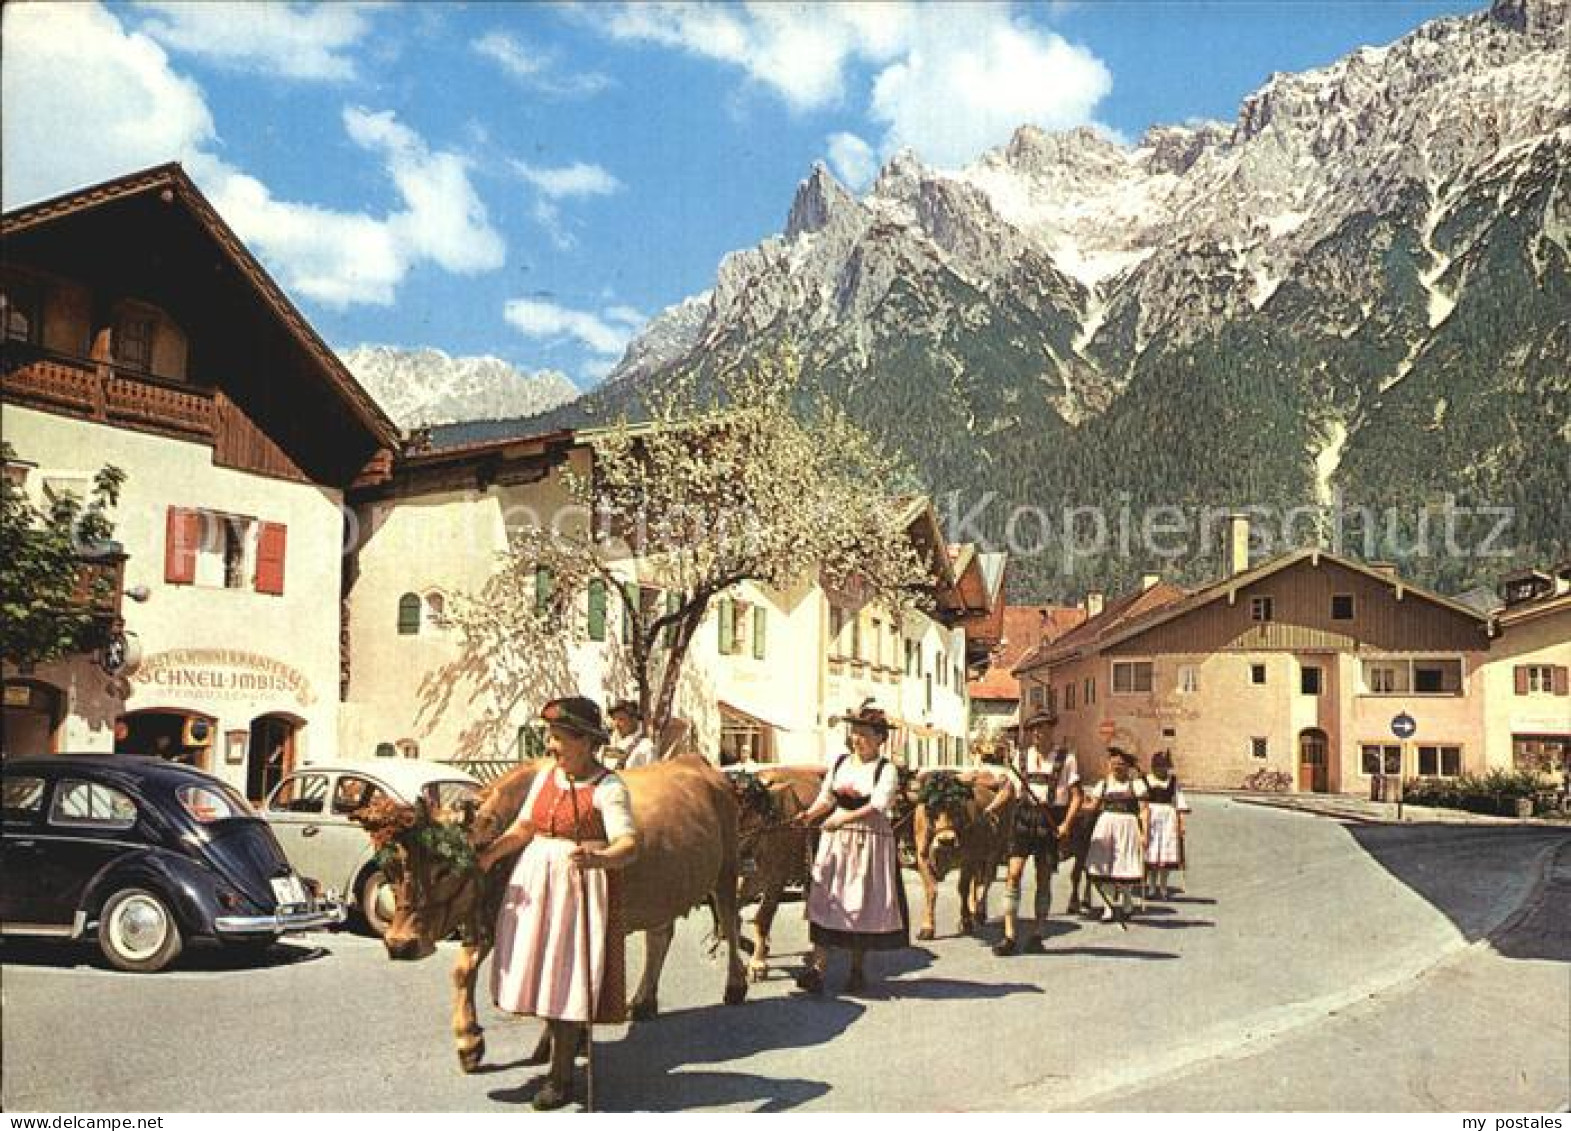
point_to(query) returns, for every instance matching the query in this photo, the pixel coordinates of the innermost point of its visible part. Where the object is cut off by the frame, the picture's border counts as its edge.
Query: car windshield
(213, 801)
(449, 794)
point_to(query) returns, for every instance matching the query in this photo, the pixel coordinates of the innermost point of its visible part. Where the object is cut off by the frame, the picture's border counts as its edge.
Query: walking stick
(589, 973)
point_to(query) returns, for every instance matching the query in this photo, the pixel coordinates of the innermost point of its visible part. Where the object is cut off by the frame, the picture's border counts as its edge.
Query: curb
(1430, 815)
(1532, 899)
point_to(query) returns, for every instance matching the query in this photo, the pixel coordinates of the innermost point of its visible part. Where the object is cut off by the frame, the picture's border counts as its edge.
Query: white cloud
(606, 334)
(578, 179)
(297, 41)
(964, 87)
(949, 79)
(626, 315)
(126, 108)
(541, 70)
(122, 109)
(852, 159)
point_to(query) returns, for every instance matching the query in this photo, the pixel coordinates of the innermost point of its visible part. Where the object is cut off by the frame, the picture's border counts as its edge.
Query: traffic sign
(1404, 725)
(1107, 729)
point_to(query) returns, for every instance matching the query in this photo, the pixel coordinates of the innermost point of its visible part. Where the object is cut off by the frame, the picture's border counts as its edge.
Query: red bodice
(552, 814)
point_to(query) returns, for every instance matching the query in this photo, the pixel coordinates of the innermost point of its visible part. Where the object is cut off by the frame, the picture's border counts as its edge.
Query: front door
(271, 755)
(1312, 762)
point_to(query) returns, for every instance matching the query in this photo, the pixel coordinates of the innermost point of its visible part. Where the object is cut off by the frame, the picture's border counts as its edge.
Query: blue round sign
(1404, 725)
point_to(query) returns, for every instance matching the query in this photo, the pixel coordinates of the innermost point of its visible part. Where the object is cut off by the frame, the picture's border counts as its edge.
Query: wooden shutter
(630, 608)
(597, 597)
(760, 618)
(182, 535)
(671, 606)
(408, 615)
(1561, 680)
(270, 543)
(1520, 671)
(727, 628)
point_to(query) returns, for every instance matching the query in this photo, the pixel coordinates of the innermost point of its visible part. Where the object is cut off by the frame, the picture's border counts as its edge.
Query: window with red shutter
(182, 535)
(1562, 680)
(1521, 679)
(270, 558)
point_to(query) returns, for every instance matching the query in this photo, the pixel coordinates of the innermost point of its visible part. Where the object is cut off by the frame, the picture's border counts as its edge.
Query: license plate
(289, 891)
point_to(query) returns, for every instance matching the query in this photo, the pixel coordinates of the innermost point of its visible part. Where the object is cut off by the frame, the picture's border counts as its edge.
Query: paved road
(1313, 965)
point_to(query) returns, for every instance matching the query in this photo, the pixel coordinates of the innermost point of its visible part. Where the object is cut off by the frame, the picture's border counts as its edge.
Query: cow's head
(429, 860)
(946, 799)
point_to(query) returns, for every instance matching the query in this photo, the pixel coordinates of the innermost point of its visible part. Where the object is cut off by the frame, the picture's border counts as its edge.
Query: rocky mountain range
(1355, 297)
(421, 387)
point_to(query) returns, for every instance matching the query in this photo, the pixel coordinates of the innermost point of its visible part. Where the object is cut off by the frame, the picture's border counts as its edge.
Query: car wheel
(376, 902)
(137, 931)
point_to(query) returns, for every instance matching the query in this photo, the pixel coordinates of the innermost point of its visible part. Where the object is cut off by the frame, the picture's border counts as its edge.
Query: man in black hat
(631, 746)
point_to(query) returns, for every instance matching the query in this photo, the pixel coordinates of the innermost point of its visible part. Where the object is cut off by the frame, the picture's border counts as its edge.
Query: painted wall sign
(208, 674)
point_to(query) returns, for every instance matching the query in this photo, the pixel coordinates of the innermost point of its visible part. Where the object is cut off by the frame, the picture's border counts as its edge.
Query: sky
(535, 181)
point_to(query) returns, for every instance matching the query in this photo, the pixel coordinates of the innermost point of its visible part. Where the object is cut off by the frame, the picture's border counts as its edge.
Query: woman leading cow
(856, 900)
(559, 939)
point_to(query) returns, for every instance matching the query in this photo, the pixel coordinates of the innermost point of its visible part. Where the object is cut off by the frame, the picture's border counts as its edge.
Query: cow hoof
(925, 935)
(469, 1059)
(644, 1011)
(736, 995)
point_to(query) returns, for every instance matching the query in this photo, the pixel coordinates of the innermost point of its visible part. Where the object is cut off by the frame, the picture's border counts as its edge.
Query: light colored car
(310, 810)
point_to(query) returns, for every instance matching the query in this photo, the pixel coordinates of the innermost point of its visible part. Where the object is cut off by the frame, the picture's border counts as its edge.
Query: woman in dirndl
(1165, 843)
(559, 935)
(856, 900)
(1117, 853)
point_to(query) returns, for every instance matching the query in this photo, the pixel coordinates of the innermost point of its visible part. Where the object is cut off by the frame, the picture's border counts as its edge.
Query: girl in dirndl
(856, 900)
(554, 959)
(1117, 852)
(1165, 844)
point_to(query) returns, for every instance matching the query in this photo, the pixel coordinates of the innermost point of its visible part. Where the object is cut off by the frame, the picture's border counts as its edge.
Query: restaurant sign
(209, 674)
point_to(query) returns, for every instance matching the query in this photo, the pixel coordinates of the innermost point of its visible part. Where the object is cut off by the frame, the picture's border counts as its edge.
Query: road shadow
(947, 989)
(1461, 871)
(44, 954)
(1112, 952)
(648, 1067)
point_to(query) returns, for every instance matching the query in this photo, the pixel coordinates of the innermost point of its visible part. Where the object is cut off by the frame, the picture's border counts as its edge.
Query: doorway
(1312, 762)
(270, 755)
(176, 736)
(31, 723)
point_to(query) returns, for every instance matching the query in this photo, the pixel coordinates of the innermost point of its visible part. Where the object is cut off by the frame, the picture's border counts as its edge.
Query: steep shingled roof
(1024, 631)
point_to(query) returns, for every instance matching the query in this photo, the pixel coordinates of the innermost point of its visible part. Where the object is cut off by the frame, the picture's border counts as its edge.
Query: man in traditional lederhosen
(1032, 837)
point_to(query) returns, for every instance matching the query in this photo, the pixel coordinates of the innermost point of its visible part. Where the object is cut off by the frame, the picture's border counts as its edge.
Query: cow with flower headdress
(955, 831)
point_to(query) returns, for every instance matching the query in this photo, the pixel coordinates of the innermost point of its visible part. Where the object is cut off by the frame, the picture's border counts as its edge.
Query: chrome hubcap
(140, 927)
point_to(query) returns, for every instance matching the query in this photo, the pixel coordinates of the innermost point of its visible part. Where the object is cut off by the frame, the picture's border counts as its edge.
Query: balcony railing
(99, 391)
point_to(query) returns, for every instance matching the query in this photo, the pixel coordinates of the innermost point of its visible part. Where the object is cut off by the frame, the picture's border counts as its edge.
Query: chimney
(1149, 581)
(1093, 603)
(1237, 543)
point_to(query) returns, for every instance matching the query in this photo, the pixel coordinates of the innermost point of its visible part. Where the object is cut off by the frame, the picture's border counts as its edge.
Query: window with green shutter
(409, 614)
(630, 603)
(596, 608)
(671, 606)
(531, 741)
(760, 616)
(542, 590)
(727, 627)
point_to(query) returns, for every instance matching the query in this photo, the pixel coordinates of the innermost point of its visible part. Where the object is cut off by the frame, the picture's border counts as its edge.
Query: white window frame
(1188, 679)
(1262, 603)
(212, 561)
(1385, 749)
(1406, 671)
(1540, 679)
(1439, 748)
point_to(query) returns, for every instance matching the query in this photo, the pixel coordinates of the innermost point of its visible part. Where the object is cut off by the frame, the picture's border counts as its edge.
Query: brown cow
(778, 852)
(951, 832)
(687, 822)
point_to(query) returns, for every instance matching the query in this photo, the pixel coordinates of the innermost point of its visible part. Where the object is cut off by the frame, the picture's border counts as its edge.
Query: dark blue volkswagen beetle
(147, 855)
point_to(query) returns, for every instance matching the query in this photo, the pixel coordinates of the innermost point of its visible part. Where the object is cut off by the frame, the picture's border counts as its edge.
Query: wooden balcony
(98, 391)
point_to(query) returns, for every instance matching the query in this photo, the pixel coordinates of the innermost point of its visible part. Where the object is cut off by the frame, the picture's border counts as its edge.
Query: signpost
(1404, 726)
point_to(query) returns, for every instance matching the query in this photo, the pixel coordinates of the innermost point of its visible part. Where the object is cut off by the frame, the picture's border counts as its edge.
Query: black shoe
(810, 980)
(1033, 945)
(1004, 947)
(551, 1097)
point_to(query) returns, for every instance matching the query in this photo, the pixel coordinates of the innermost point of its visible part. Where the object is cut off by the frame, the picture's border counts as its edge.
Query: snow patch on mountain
(421, 387)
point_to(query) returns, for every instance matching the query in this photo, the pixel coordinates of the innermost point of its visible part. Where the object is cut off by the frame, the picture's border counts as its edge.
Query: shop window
(1380, 758)
(1439, 761)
